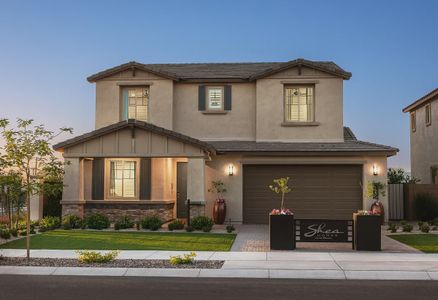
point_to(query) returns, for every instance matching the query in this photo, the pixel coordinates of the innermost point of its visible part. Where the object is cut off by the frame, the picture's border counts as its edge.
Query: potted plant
(367, 235)
(220, 208)
(281, 221)
(375, 189)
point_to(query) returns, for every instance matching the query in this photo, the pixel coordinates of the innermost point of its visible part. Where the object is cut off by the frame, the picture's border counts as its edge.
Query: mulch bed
(118, 263)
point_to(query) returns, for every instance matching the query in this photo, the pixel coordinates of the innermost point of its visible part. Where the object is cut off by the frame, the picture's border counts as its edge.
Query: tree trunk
(28, 221)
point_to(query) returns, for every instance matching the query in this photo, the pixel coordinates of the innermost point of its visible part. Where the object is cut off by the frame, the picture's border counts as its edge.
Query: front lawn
(110, 240)
(427, 243)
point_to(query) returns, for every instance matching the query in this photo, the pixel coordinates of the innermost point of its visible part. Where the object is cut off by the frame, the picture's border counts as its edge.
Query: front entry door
(181, 190)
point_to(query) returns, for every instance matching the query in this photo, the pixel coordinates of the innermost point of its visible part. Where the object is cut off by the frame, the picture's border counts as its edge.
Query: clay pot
(378, 209)
(219, 211)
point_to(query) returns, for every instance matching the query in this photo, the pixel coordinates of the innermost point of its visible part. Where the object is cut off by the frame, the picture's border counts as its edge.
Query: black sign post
(319, 230)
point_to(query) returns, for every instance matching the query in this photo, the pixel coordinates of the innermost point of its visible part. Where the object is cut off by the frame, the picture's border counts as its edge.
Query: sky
(48, 48)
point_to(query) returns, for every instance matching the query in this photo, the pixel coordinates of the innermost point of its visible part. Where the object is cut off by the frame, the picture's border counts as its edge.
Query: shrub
(426, 206)
(419, 224)
(137, 225)
(183, 260)
(435, 222)
(175, 225)
(407, 227)
(87, 257)
(71, 222)
(49, 223)
(425, 228)
(207, 228)
(123, 223)
(403, 223)
(14, 232)
(230, 228)
(392, 227)
(5, 234)
(190, 229)
(97, 221)
(153, 223)
(198, 223)
(23, 233)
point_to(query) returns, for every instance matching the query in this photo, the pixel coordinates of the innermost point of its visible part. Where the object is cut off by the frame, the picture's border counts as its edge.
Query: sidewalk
(304, 265)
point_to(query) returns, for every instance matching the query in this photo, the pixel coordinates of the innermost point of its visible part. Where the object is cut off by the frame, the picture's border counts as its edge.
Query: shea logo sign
(324, 230)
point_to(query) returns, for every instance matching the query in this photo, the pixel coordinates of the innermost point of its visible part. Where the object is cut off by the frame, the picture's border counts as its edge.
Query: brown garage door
(318, 191)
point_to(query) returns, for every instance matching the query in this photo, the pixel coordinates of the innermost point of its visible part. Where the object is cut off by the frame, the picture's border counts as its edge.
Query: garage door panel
(318, 191)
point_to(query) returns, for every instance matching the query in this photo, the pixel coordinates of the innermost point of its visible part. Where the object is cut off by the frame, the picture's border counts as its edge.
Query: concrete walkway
(278, 264)
(255, 238)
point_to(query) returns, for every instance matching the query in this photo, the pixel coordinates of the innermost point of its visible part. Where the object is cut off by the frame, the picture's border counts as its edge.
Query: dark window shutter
(201, 97)
(145, 179)
(227, 97)
(98, 178)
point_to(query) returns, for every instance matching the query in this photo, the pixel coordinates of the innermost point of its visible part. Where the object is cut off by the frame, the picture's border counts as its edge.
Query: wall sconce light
(375, 170)
(230, 170)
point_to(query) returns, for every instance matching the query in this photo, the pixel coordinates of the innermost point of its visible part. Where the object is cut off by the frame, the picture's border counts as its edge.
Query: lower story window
(123, 178)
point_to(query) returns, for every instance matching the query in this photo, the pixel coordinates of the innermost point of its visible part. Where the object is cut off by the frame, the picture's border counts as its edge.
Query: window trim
(107, 184)
(428, 114)
(291, 123)
(413, 117)
(122, 101)
(209, 110)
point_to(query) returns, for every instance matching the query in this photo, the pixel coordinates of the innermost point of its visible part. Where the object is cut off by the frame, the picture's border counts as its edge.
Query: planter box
(367, 235)
(282, 232)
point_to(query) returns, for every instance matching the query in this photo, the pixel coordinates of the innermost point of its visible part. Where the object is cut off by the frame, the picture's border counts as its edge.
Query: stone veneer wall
(135, 211)
(73, 209)
(197, 210)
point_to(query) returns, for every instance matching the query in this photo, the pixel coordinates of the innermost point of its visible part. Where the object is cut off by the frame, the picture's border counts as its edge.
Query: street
(75, 287)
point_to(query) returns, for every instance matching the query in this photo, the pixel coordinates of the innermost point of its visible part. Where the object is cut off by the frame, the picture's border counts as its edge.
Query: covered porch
(135, 169)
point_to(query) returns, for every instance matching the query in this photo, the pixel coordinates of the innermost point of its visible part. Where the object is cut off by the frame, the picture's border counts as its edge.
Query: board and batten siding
(140, 143)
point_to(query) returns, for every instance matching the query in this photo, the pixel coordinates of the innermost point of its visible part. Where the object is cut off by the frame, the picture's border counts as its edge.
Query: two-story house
(424, 137)
(165, 131)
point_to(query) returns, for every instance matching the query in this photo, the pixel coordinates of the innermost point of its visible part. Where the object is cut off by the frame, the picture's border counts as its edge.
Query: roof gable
(431, 96)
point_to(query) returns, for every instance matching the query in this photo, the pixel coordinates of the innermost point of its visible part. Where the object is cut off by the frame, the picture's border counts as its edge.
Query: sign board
(318, 230)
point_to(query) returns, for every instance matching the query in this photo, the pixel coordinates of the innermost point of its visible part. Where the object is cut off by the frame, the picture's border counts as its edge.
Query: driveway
(255, 238)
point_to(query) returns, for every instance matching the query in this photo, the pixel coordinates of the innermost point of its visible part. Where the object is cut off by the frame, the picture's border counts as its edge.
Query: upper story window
(136, 103)
(215, 98)
(122, 179)
(428, 117)
(299, 104)
(413, 121)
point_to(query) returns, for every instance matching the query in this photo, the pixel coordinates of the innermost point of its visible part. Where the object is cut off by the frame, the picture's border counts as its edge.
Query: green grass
(108, 240)
(427, 243)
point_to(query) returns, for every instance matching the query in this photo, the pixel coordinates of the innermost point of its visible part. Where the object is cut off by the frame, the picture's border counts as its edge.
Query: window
(299, 104)
(136, 101)
(122, 178)
(413, 121)
(428, 115)
(215, 98)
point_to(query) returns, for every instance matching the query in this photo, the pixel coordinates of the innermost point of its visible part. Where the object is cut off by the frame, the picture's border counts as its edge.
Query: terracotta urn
(219, 211)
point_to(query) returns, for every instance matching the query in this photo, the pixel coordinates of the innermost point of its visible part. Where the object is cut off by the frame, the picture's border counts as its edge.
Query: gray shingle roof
(231, 71)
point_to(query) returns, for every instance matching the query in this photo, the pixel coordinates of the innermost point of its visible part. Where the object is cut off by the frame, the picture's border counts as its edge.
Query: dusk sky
(48, 48)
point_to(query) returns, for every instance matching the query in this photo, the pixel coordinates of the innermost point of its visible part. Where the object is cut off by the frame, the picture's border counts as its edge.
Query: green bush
(435, 222)
(207, 228)
(407, 227)
(201, 222)
(5, 234)
(425, 228)
(426, 207)
(23, 233)
(49, 223)
(153, 223)
(97, 221)
(123, 223)
(71, 222)
(392, 227)
(403, 223)
(183, 260)
(230, 228)
(14, 232)
(190, 229)
(87, 257)
(175, 225)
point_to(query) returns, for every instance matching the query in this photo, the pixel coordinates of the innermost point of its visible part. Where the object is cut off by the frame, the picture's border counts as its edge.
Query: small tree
(218, 187)
(11, 196)
(280, 187)
(27, 151)
(396, 176)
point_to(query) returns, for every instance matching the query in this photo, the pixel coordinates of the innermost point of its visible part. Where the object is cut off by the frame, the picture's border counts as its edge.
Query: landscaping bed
(118, 263)
(125, 240)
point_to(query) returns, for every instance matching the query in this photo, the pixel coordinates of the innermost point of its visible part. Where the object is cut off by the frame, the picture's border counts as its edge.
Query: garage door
(318, 191)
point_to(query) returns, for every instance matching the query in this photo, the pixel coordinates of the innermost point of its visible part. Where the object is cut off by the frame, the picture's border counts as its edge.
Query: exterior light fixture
(375, 170)
(230, 170)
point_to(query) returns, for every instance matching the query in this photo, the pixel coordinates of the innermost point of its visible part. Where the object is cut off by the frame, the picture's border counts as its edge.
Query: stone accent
(73, 209)
(197, 210)
(136, 211)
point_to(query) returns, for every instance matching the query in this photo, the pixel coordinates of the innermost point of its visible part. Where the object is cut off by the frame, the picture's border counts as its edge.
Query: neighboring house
(424, 137)
(165, 131)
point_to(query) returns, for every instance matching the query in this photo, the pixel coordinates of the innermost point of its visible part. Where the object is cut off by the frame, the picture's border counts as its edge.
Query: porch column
(72, 194)
(196, 185)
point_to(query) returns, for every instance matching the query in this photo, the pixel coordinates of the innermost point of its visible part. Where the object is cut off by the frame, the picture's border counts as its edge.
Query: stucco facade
(177, 131)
